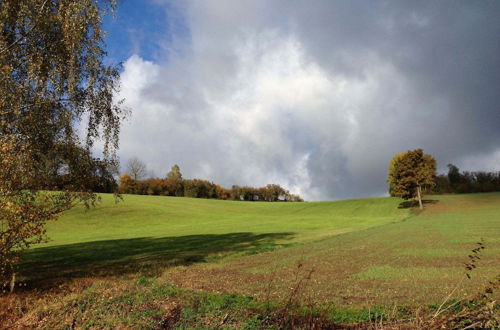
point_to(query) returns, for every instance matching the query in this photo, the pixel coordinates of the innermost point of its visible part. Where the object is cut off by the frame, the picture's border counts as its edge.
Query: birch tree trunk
(12, 282)
(419, 198)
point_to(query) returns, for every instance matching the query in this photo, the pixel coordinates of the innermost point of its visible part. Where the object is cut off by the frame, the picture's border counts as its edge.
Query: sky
(316, 96)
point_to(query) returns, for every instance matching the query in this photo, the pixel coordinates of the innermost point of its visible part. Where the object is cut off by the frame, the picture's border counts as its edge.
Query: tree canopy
(175, 173)
(410, 172)
(53, 81)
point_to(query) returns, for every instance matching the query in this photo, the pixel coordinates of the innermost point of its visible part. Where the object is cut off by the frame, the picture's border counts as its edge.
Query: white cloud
(315, 104)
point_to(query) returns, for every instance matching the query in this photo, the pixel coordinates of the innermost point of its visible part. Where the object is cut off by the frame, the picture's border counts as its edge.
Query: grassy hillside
(414, 261)
(158, 231)
(148, 262)
(158, 216)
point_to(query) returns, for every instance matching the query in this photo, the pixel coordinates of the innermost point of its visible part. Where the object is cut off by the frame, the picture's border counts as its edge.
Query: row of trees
(174, 185)
(466, 182)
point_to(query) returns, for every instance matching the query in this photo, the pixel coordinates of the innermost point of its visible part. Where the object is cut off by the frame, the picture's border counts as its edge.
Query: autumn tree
(127, 184)
(52, 77)
(410, 172)
(392, 166)
(175, 173)
(197, 188)
(174, 178)
(136, 168)
(274, 192)
(222, 193)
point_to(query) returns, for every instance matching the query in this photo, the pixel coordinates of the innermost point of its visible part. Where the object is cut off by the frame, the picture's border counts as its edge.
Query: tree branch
(23, 36)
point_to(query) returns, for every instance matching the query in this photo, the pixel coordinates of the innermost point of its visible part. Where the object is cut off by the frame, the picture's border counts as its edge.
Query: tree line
(174, 185)
(459, 182)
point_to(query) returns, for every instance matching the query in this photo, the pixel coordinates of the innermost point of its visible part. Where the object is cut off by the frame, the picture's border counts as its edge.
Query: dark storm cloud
(319, 95)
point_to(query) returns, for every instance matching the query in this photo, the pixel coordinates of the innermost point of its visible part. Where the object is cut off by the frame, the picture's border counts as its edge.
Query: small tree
(409, 172)
(136, 168)
(174, 178)
(175, 173)
(454, 176)
(274, 192)
(127, 184)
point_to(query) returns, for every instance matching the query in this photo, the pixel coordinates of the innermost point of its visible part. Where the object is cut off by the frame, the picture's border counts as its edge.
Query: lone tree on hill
(52, 75)
(136, 168)
(409, 172)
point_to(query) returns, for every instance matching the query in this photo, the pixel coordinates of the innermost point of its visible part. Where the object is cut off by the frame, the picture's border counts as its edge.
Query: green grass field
(155, 231)
(158, 216)
(417, 260)
(360, 253)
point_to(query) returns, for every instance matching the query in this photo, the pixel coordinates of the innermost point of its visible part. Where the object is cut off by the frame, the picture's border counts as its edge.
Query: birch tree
(52, 81)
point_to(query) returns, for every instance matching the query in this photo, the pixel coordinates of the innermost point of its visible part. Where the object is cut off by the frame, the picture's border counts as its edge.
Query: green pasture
(156, 231)
(362, 252)
(418, 260)
(158, 216)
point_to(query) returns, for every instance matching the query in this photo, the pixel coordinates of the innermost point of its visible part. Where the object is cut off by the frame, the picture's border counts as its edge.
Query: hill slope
(363, 252)
(157, 216)
(167, 230)
(418, 260)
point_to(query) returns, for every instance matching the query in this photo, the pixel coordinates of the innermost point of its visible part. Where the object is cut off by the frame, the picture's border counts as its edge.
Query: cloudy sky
(313, 95)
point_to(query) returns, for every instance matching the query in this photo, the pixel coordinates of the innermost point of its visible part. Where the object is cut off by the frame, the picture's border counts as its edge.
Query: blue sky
(142, 27)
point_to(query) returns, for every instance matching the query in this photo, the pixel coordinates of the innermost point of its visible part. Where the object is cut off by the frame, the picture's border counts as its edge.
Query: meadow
(348, 256)
(153, 231)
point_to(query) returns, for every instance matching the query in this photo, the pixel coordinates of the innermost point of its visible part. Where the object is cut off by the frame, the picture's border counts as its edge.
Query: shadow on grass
(146, 255)
(414, 203)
